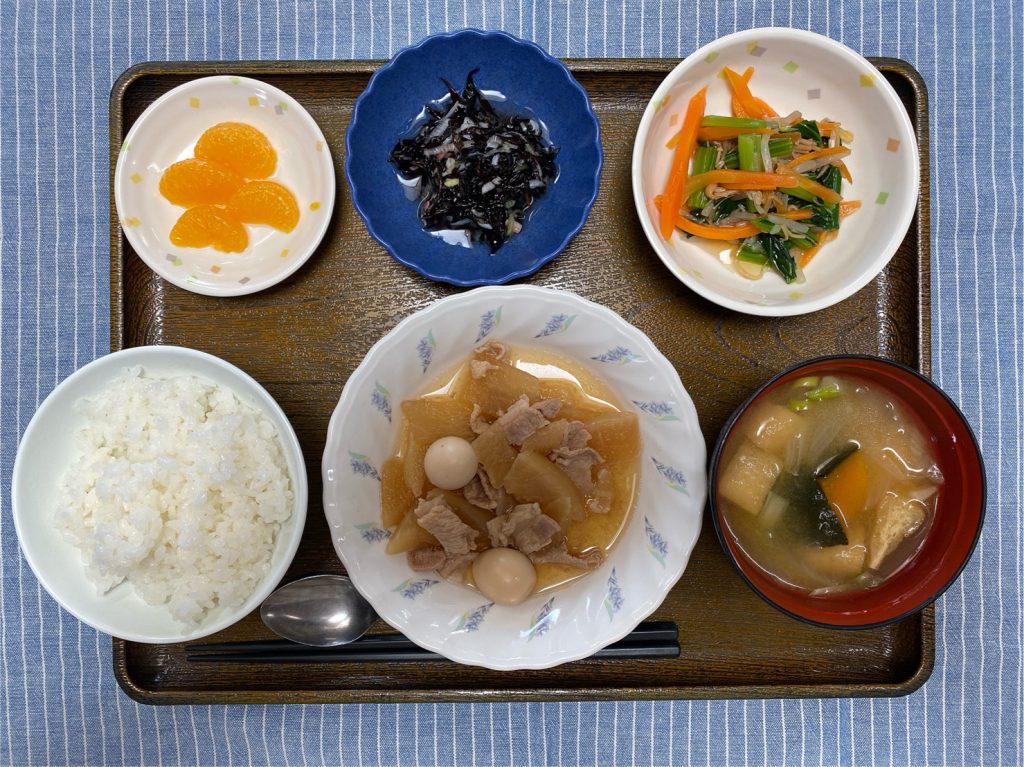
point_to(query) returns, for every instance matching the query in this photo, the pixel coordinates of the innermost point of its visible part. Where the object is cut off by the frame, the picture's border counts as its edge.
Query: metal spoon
(321, 611)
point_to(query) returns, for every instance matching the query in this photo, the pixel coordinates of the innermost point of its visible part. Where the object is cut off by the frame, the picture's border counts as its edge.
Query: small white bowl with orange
(224, 186)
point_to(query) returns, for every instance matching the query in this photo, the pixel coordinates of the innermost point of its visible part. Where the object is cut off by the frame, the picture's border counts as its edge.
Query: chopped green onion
(823, 392)
(799, 405)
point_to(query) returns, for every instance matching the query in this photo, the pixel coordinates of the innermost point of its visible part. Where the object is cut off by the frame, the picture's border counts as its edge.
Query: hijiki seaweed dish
(476, 170)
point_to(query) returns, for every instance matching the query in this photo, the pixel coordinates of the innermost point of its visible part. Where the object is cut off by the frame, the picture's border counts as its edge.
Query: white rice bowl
(172, 499)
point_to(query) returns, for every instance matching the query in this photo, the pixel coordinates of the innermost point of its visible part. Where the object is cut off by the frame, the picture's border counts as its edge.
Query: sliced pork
(525, 527)
(557, 554)
(578, 464)
(432, 558)
(522, 419)
(436, 517)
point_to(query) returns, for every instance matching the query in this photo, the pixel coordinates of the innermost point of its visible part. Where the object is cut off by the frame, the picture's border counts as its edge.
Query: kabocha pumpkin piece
(846, 488)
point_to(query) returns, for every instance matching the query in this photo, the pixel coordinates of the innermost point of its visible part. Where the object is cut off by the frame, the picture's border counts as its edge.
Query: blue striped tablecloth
(59, 702)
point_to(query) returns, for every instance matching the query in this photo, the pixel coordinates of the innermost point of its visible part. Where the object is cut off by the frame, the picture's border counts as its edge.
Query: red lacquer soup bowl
(948, 543)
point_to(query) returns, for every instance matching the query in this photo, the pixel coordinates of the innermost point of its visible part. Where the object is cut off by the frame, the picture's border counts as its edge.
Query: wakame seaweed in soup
(477, 170)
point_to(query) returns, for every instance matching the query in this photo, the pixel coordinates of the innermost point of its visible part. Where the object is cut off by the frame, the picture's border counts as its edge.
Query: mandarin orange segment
(210, 226)
(195, 182)
(265, 202)
(238, 147)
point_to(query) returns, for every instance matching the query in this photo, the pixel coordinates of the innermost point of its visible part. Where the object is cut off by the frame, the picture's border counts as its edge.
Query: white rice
(180, 489)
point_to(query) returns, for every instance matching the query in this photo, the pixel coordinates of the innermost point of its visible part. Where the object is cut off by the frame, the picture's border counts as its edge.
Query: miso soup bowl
(552, 627)
(959, 514)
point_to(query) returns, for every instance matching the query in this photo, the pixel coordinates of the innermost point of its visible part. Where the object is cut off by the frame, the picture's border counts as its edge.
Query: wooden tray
(303, 338)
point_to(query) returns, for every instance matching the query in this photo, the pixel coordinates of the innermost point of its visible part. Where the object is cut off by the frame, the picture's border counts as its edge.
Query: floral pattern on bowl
(549, 628)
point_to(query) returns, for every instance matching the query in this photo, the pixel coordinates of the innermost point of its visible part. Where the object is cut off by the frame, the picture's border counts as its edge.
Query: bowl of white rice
(159, 494)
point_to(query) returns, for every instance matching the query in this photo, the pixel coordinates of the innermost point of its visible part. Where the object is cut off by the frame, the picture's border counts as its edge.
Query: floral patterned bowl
(552, 628)
(793, 70)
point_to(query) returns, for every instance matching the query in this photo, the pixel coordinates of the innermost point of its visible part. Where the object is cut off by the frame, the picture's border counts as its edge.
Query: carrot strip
(709, 232)
(766, 110)
(844, 171)
(742, 93)
(807, 255)
(720, 176)
(818, 190)
(752, 106)
(796, 162)
(674, 188)
(749, 186)
(848, 208)
(737, 107)
(796, 214)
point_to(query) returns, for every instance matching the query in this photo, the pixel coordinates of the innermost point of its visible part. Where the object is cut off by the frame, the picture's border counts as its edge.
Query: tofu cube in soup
(749, 477)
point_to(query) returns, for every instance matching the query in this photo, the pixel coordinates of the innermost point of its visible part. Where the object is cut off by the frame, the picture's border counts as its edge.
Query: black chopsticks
(653, 639)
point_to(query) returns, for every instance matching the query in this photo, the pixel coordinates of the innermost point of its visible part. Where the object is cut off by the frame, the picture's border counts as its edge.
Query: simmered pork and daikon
(827, 484)
(520, 454)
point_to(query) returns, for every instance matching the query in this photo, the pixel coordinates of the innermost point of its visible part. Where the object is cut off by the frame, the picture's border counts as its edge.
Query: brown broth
(582, 393)
(901, 469)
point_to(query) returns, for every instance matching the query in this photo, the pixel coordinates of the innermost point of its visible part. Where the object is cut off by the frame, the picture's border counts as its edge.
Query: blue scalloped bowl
(397, 93)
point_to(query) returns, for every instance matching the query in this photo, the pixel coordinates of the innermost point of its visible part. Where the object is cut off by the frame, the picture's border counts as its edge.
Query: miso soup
(827, 484)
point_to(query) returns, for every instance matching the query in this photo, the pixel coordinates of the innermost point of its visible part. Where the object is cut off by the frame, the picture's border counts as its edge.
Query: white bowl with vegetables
(775, 172)
(379, 413)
